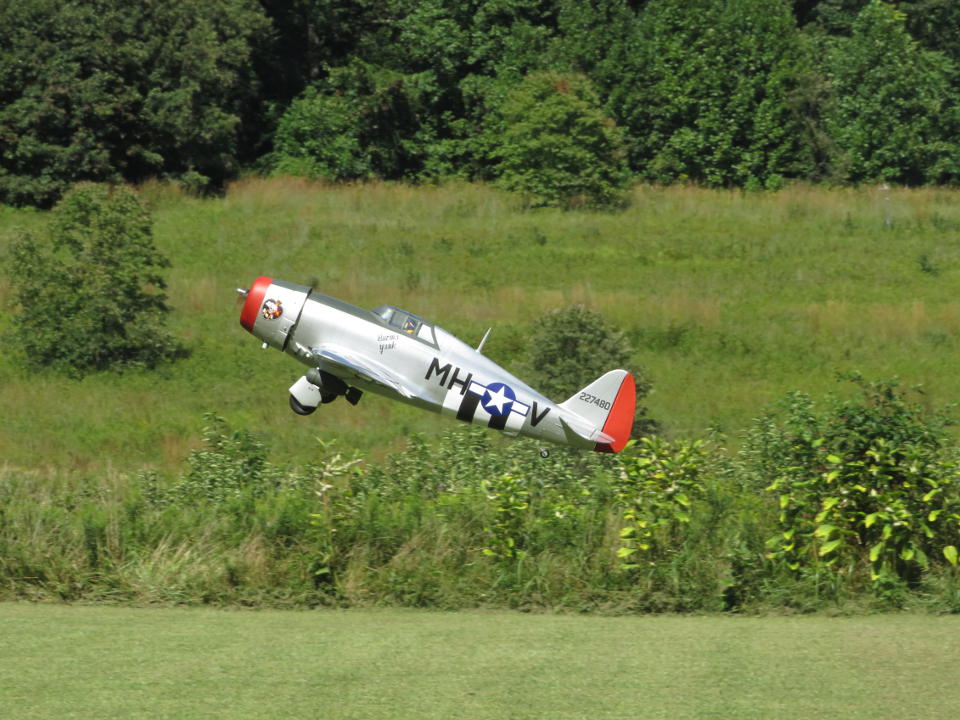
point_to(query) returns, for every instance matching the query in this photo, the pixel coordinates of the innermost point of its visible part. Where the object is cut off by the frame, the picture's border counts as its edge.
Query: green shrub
(89, 293)
(865, 484)
(657, 489)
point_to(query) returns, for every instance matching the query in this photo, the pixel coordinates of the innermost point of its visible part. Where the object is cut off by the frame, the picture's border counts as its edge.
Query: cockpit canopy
(407, 323)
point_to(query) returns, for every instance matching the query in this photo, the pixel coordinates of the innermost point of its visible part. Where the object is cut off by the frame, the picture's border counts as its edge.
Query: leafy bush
(467, 519)
(233, 465)
(659, 484)
(510, 496)
(865, 484)
(551, 140)
(89, 292)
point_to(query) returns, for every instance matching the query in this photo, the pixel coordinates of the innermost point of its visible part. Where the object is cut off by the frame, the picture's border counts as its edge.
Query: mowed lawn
(103, 662)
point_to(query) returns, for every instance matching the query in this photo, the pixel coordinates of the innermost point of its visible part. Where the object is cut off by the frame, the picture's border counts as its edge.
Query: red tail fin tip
(620, 420)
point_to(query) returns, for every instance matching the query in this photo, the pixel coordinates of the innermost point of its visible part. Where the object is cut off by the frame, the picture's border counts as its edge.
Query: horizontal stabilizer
(574, 430)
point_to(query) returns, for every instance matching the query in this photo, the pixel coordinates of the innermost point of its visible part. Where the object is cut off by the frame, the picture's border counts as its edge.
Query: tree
(88, 294)
(551, 140)
(319, 137)
(710, 99)
(362, 121)
(935, 24)
(893, 110)
(109, 91)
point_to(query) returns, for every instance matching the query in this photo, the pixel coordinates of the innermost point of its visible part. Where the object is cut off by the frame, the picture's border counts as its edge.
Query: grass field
(84, 662)
(731, 299)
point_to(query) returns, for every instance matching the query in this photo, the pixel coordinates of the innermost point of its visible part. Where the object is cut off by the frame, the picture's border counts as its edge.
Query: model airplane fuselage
(394, 353)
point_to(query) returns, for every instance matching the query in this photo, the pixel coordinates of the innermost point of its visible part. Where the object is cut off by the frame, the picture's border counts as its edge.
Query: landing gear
(319, 388)
(329, 385)
(544, 453)
(300, 409)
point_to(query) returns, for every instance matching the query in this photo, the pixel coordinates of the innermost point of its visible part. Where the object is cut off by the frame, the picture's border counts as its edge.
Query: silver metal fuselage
(401, 356)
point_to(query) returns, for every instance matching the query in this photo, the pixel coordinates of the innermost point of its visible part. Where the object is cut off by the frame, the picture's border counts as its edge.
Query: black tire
(300, 409)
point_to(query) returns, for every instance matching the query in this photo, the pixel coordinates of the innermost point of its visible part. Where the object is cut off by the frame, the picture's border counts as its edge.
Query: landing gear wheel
(544, 453)
(300, 409)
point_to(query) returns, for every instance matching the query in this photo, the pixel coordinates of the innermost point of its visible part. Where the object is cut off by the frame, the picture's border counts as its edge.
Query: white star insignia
(497, 400)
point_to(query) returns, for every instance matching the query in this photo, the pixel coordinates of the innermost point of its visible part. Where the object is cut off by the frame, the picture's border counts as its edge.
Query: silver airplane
(394, 353)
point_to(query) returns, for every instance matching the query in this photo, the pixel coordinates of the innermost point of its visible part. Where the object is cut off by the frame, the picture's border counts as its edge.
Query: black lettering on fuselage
(464, 384)
(435, 368)
(536, 419)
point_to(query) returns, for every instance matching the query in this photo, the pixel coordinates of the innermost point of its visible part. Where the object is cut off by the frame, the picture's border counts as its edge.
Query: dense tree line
(558, 98)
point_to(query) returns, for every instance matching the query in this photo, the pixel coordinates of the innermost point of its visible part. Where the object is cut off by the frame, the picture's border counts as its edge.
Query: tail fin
(607, 405)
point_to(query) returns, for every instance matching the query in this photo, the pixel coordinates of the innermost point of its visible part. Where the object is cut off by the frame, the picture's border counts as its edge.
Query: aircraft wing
(343, 359)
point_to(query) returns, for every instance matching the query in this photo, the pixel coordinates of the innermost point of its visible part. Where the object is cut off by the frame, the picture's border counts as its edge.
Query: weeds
(860, 512)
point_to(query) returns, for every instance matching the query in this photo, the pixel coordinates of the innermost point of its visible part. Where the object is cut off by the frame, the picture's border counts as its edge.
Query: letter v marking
(536, 419)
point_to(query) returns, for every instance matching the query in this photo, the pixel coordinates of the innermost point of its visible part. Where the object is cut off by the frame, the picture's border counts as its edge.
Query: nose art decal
(272, 309)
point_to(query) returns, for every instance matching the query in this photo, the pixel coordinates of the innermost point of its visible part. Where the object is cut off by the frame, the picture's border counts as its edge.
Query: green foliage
(711, 100)
(572, 347)
(465, 520)
(233, 463)
(318, 137)
(550, 140)
(560, 100)
(865, 484)
(510, 497)
(108, 91)
(659, 484)
(893, 110)
(364, 121)
(232, 469)
(934, 23)
(89, 293)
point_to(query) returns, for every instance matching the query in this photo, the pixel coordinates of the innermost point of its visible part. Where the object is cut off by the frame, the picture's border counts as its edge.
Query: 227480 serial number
(594, 400)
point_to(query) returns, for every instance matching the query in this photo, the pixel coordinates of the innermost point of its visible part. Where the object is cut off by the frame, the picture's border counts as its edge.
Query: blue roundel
(498, 399)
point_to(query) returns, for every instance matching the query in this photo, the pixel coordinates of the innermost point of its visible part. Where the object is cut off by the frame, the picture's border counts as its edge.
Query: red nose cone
(248, 316)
